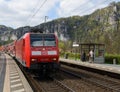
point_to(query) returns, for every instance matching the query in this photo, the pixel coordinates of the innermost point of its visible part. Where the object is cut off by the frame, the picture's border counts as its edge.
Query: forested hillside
(102, 26)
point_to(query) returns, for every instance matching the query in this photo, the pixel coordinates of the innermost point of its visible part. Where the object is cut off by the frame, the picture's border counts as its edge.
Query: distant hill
(4, 29)
(5, 33)
(102, 26)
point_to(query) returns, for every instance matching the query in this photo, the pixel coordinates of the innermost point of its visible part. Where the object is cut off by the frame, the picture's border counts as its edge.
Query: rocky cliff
(102, 26)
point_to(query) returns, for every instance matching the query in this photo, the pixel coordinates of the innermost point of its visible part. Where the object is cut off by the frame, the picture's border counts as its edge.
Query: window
(49, 42)
(43, 40)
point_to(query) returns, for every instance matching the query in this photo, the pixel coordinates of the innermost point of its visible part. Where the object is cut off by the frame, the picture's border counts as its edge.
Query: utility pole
(46, 17)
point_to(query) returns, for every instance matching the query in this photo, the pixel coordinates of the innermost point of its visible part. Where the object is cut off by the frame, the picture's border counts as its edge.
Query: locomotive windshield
(42, 40)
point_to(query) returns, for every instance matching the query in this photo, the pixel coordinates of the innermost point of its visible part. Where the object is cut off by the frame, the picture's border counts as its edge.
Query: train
(36, 51)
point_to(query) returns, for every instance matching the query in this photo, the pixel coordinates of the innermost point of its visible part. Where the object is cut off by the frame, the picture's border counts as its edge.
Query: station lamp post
(75, 45)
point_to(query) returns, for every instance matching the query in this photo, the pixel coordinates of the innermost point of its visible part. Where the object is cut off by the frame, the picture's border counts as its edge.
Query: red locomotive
(38, 51)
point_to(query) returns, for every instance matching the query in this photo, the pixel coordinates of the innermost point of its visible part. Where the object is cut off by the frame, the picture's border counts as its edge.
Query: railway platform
(11, 77)
(104, 67)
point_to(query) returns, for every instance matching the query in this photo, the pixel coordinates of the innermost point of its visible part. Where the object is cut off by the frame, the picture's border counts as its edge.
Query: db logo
(44, 52)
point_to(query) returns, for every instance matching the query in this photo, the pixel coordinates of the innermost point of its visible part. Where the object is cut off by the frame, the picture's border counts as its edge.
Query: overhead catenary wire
(39, 8)
(84, 10)
(33, 9)
(80, 6)
(31, 17)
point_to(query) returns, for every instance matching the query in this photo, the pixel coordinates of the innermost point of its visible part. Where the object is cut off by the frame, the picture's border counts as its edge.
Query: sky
(20, 13)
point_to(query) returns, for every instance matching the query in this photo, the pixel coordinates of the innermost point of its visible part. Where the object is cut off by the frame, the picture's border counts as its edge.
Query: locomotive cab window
(49, 41)
(42, 40)
(36, 40)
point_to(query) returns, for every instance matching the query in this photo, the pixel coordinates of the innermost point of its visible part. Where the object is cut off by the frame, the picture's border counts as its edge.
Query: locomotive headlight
(33, 60)
(54, 59)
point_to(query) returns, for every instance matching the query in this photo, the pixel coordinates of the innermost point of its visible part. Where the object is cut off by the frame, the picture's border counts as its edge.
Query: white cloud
(67, 7)
(17, 13)
(80, 7)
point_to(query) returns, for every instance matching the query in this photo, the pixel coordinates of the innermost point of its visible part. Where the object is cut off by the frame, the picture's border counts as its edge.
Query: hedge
(70, 55)
(109, 59)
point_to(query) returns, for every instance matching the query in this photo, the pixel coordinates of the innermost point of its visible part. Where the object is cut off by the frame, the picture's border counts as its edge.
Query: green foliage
(5, 42)
(102, 26)
(65, 46)
(70, 55)
(109, 58)
(61, 45)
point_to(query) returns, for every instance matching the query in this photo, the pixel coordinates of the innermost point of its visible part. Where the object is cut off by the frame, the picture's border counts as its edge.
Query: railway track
(54, 86)
(45, 83)
(93, 80)
(72, 79)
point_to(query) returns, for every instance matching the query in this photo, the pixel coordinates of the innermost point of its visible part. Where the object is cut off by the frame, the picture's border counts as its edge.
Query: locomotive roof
(36, 34)
(41, 33)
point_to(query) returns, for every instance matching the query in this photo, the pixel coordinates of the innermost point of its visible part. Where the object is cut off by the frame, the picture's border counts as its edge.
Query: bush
(70, 55)
(109, 59)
